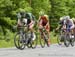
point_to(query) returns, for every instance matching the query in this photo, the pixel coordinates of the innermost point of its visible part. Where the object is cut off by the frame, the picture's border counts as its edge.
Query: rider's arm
(39, 18)
(47, 20)
(39, 21)
(19, 23)
(32, 19)
(59, 25)
(18, 17)
(48, 23)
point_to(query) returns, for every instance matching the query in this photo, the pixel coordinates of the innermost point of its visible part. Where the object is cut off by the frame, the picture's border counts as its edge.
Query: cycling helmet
(22, 12)
(67, 17)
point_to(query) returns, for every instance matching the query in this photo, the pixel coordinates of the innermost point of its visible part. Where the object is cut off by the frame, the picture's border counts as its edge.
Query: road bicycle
(44, 37)
(24, 38)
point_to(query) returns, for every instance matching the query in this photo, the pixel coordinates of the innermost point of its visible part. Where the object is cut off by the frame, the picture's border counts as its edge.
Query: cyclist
(66, 22)
(69, 24)
(28, 19)
(60, 24)
(44, 22)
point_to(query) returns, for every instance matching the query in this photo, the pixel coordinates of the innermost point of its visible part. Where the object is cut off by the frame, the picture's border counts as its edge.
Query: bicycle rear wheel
(34, 41)
(72, 40)
(46, 38)
(29, 45)
(67, 40)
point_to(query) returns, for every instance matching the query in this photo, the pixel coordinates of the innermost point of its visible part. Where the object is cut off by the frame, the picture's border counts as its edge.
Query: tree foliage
(54, 8)
(61, 8)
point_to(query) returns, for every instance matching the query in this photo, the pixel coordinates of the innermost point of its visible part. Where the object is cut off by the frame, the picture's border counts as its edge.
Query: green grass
(7, 40)
(53, 38)
(5, 44)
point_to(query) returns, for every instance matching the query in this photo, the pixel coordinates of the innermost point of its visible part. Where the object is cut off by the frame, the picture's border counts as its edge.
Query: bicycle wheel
(34, 41)
(29, 45)
(46, 39)
(67, 40)
(42, 42)
(72, 40)
(60, 39)
(18, 41)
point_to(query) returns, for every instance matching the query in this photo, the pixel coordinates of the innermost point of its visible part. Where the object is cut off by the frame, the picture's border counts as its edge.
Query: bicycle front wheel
(59, 39)
(19, 41)
(42, 42)
(34, 41)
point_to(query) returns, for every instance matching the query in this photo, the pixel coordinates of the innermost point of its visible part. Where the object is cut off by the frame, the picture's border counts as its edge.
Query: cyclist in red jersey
(44, 22)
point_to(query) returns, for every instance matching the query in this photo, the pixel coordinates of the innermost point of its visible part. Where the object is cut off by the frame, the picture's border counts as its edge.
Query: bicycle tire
(72, 42)
(67, 40)
(34, 42)
(18, 43)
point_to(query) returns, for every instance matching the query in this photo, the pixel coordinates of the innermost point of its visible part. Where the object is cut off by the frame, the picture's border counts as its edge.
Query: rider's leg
(40, 30)
(48, 30)
(72, 29)
(31, 29)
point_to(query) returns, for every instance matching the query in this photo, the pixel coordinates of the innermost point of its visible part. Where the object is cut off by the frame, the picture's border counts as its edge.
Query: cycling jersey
(24, 16)
(66, 23)
(21, 16)
(29, 17)
(44, 20)
(70, 22)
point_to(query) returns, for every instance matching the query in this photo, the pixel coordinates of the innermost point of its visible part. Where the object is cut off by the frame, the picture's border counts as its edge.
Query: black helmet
(23, 14)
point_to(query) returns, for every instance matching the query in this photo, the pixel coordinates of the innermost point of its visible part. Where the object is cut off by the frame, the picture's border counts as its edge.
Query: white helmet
(67, 17)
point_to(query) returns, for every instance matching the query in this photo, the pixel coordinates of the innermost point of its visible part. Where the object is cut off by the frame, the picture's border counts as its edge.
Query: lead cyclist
(28, 19)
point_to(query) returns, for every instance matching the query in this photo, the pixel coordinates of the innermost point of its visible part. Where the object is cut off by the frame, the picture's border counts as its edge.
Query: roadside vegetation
(53, 8)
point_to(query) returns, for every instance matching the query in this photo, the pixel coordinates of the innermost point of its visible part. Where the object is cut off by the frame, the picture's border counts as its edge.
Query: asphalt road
(52, 51)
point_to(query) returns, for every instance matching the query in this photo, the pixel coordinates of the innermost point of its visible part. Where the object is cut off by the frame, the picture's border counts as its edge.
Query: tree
(61, 8)
(38, 5)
